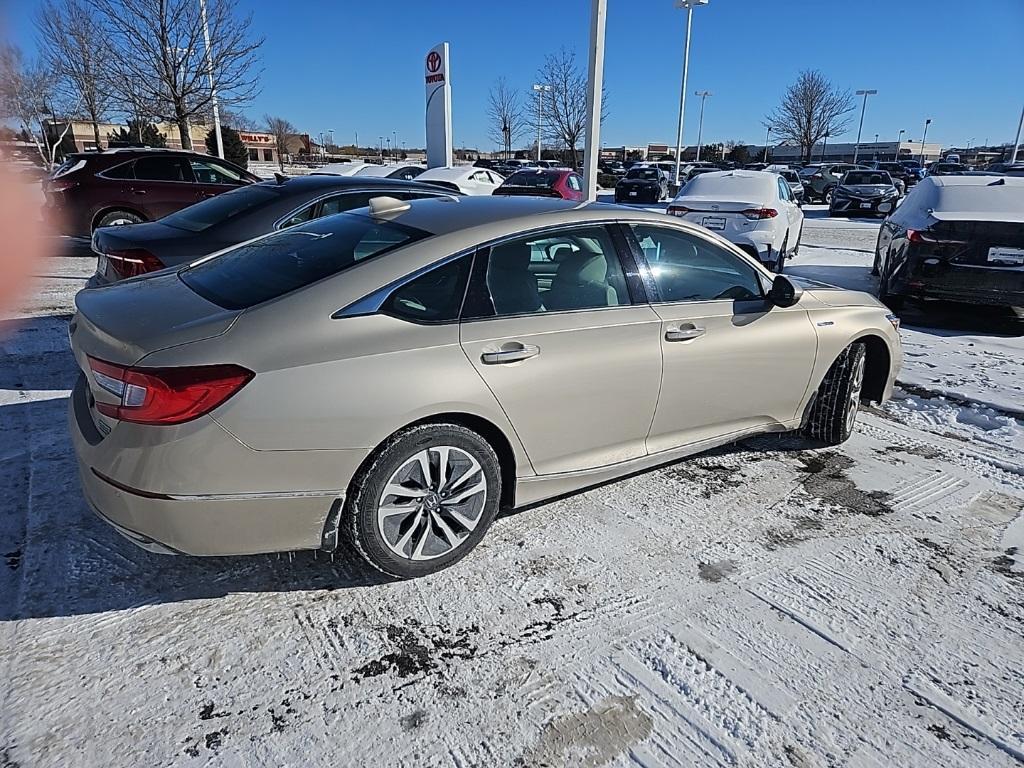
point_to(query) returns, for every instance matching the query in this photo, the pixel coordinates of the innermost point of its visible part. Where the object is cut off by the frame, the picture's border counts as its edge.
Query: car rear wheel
(425, 500)
(117, 219)
(827, 197)
(835, 408)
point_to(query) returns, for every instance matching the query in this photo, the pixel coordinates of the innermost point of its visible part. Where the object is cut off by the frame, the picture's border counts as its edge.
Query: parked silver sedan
(384, 381)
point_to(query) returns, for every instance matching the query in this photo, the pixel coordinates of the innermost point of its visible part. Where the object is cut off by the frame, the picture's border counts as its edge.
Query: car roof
(332, 181)
(449, 173)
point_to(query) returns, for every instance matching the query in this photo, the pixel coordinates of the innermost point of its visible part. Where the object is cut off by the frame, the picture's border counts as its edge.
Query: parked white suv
(753, 209)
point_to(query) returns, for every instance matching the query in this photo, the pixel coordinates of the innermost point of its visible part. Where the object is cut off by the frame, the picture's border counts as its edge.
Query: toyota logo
(433, 61)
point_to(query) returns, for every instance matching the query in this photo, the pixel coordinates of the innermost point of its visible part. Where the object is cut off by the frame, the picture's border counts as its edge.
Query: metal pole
(863, 108)
(700, 125)
(682, 90)
(824, 146)
(924, 136)
(767, 138)
(592, 142)
(896, 155)
(213, 89)
(1016, 141)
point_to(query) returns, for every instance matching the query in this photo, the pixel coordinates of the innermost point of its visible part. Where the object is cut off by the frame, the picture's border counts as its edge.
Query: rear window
(292, 259)
(214, 210)
(531, 179)
(726, 186)
(649, 174)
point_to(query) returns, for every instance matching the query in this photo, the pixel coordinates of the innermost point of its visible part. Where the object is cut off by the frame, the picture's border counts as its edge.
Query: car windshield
(302, 255)
(810, 171)
(652, 174)
(789, 175)
(202, 216)
(867, 177)
(539, 179)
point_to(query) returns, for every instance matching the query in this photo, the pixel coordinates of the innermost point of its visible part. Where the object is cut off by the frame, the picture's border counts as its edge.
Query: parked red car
(543, 182)
(128, 186)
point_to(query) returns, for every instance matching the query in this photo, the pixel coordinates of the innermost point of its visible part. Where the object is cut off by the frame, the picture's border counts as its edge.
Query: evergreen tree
(151, 137)
(234, 150)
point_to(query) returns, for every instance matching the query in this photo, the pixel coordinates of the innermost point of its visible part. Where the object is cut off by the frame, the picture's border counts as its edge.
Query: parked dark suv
(128, 186)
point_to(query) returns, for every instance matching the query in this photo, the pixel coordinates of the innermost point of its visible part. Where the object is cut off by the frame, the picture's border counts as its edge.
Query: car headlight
(840, 192)
(895, 320)
(891, 193)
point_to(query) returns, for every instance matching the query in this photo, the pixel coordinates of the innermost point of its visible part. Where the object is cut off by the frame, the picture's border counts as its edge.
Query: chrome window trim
(355, 190)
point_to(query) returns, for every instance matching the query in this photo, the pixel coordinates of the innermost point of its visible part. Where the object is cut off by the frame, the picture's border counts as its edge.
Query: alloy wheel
(432, 503)
(854, 401)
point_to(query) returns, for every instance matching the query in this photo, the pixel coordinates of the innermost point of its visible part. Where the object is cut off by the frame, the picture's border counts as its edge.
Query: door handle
(684, 333)
(138, 191)
(513, 354)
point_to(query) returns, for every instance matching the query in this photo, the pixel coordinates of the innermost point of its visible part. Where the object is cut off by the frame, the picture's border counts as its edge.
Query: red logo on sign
(433, 61)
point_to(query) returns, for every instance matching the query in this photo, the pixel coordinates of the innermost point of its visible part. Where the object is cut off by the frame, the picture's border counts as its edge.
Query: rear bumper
(951, 282)
(239, 519)
(855, 206)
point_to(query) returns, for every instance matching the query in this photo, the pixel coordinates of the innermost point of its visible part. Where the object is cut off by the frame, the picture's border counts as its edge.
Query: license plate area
(1007, 257)
(714, 223)
(865, 205)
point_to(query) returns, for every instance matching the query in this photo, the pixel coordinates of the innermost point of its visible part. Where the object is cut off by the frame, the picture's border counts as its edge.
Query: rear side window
(123, 171)
(214, 210)
(294, 258)
(163, 169)
(434, 297)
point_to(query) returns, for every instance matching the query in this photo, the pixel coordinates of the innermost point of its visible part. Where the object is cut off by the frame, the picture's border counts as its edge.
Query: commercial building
(844, 152)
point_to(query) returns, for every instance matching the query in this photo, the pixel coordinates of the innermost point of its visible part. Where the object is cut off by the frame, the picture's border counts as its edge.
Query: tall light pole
(700, 126)
(688, 6)
(824, 146)
(899, 139)
(767, 140)
(863, 108)
(394, 142)
(540, 88)
(380, 149)
(213, 87)
(923, 137)
(330, 132)
(1016, 141)
(595, 88)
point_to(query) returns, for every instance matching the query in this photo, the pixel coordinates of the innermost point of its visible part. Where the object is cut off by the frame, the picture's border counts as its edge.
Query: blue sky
(357, 66)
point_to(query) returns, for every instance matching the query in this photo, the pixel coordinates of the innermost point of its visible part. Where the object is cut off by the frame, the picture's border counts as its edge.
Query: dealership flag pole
(1016, 141)
(863, 107)
(592, 148)
(688, 5)
(213, 88)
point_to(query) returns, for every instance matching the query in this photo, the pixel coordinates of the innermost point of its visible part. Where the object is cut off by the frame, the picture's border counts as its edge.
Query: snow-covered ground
(768, 604)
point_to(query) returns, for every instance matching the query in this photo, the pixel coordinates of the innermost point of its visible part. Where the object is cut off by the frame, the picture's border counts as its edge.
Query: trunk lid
(991, 244)
(708, 204)
(123, 323)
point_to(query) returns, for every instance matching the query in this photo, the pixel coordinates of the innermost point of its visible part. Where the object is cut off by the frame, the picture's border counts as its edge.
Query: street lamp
(863, 107)
(394, 141)
(824, 145)
(767, 140)
(688, 6)
(898, 140)
(213, 87)
(923, 137)
(540, 89)
(700, 126)
(380, 149)
(1016, 140)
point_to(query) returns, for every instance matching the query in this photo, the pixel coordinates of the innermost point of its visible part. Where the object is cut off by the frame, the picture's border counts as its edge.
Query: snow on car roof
(449, 173)
(728, 183)
(994, 198)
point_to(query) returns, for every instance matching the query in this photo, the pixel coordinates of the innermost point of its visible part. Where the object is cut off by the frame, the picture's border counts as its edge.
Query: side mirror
(784, 292)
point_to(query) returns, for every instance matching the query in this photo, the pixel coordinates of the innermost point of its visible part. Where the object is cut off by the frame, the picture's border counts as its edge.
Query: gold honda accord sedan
(383, 381)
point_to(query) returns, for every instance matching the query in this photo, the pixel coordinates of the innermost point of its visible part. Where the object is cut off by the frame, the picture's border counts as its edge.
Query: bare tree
(283, 132)
(158, 46)
(565, 105)
(507, 118)
(31, 95)
(74, 48)
(811, 108)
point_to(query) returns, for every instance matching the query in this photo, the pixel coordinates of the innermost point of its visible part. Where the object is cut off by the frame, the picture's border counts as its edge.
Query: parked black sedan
(864, 193)
(641, 184)
(233, 217)
(959, 238)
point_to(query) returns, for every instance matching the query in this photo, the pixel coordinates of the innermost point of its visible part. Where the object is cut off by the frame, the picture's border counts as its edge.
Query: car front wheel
(837, 402)
(424, 501)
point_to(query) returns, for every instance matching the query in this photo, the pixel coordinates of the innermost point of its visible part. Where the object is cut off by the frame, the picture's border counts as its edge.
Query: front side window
(349, 202)
(554, 272)
(294, 258)
(574, 183)
(686, 267)
(434, 297)
(208, 172)
(163, 169)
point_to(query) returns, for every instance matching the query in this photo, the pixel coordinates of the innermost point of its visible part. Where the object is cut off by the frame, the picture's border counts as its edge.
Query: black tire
(118, 218)
(874, 265)
(780, 263)
(891, 300)
(359, 516)
(834, 413)
(827, 196)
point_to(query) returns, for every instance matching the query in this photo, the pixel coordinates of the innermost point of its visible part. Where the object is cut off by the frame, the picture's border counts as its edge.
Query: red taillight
(133, 262)
(62, 186)
(760, 213)
(678, 210)
(162, 396)
(915, 237)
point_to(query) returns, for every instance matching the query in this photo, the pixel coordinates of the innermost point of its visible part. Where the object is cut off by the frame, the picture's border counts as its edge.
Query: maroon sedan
(129, 186)
(543, 182)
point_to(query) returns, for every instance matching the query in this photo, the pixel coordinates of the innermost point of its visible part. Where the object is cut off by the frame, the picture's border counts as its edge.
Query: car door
(732, 361)
(575, 365)
(162, 184)
(213, 178)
